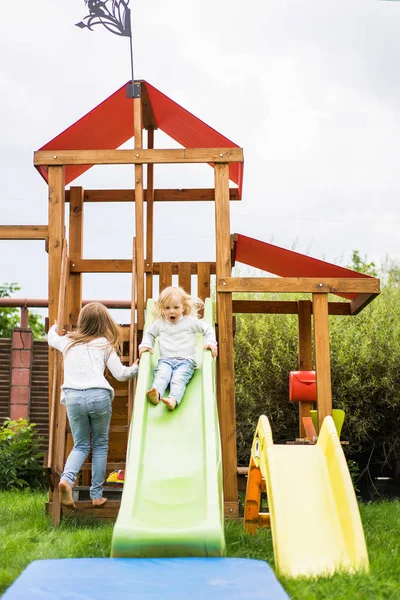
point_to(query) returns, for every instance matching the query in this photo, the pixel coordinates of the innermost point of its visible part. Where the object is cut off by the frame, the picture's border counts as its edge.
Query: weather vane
(115, 16)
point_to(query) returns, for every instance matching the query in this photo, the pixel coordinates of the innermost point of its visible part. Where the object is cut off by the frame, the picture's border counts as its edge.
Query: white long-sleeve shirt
(84, 364)
(178, 340)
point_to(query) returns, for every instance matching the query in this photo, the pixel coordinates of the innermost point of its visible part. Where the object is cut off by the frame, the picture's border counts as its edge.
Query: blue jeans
(175, 373)
(88, 410)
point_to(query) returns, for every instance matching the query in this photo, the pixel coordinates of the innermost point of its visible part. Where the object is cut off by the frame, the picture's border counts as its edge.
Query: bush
(20, 459)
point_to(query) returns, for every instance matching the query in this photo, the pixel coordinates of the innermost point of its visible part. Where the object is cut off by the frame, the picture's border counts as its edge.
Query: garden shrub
(20, 459)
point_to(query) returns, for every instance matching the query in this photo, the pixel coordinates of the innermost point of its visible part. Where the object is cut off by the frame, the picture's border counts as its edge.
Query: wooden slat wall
(5, 377)
(39, 406)
(185, 271)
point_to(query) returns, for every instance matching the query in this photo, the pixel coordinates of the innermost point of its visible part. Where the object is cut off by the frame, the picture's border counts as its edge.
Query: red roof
(287, 263)
(110, 124)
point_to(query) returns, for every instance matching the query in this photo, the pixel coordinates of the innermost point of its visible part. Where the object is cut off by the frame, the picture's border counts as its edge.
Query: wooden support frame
(225, 380)
(76, 221)
(298, 285)
(304, 354)
(149, 218)
(139, 225)
(56, 235)
(24, 232)
(283, 307)
(139, 156)
(322, 356)
(160, 195)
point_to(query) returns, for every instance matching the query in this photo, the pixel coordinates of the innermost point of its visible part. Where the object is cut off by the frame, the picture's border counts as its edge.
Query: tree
(361, 265)
(10, 317)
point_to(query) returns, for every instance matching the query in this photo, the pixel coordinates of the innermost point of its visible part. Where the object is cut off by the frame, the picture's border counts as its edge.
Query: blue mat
(147, 578)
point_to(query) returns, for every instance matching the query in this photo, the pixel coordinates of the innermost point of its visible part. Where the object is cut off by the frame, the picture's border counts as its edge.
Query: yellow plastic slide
(315, 520)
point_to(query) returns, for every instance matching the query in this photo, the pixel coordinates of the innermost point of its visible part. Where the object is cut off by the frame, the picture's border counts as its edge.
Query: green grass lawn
(26, 534)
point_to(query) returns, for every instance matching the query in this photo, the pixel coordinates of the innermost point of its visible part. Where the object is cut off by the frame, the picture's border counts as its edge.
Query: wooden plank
(203, 280)
(24, 232)
(297, 284)
(283, 307)
(132, 332)
(101, 265)
(149, 218)
(225, 380)
(139, 222)
(136, 157)
(304, 355)
(56, 235)
(185, 276)
(360, 302)
(76, 216)
(165, 276)
(149, 120)
(322, 356)
(160, 195)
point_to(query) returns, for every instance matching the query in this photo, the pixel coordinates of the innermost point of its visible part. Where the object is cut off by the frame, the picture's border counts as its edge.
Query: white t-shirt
(84, 364)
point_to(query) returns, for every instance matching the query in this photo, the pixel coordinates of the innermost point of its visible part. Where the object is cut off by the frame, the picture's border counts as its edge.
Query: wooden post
(304, 354)
(149, 218)
(132, 333)
(56, 235)
(322, 356)
(76, 215)
(225, 382)
(137, 110)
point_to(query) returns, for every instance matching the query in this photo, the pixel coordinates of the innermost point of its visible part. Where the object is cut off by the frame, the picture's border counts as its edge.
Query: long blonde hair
(94, 322)
(191, 305)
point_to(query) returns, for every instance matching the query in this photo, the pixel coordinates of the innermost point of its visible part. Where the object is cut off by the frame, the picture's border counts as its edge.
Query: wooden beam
(322, 357)
(304, 354)
(297, 285)
(225, 380)
(360, 302)
(149, 216)
(139, 222)
(136, 157)
(149, 120)
(24, 232)
(76, 217)
(115, 265)
(283, 307)
(160, 195)
(56, 235)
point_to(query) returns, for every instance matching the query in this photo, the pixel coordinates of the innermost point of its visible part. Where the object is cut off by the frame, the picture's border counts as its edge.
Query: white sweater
(178, 340)
(84, 364)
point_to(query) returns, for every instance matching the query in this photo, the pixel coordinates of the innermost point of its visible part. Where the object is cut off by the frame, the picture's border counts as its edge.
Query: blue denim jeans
(88, 410)
(175, 373)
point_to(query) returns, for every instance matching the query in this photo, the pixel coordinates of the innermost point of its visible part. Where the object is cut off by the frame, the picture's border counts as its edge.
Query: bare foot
(170, 402)
(65, 490)
(99, 501)
(153, 396)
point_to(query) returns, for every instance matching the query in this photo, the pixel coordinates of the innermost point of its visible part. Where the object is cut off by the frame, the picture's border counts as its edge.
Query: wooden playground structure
(88, 143)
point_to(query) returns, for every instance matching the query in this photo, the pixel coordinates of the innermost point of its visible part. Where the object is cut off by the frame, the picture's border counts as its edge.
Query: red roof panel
(287, 263)
(110, 124)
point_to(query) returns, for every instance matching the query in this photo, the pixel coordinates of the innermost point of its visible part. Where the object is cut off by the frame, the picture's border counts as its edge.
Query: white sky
(309, 89)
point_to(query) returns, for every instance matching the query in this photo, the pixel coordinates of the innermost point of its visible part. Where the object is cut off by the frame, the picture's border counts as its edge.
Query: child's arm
(118, 370)
(149, 338)
(56, 341)
(210, 342)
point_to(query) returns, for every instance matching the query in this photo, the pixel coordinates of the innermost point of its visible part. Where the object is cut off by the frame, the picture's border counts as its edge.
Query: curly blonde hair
(94, 322)
(191, 305)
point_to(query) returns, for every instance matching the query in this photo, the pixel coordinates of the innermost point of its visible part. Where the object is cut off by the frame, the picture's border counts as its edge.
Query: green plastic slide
(172, 502)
